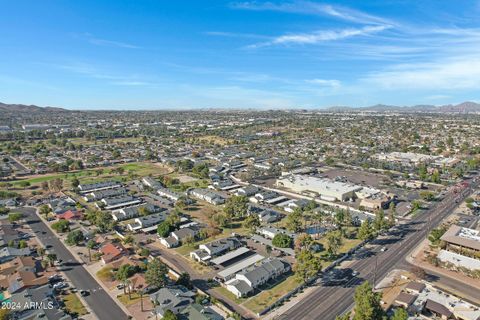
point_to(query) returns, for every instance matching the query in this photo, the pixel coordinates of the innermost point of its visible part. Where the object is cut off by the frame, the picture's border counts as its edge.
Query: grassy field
(74, 305)
(90, 175)
(216, 140)
(270, 296)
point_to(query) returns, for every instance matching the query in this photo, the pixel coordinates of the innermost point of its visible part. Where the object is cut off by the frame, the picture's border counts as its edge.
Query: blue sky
(238, 54)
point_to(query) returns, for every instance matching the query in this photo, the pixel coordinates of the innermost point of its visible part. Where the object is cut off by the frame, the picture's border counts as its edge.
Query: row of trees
(368, 306)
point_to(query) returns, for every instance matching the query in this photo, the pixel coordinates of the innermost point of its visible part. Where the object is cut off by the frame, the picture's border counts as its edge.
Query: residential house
(147, 223)
(119, 202)
(112, 251)
(134, 211)
(208, 196)
(175, 299)
(86, 188)
(215, 248)
(196, 311)
(70, 215)
(253, 277)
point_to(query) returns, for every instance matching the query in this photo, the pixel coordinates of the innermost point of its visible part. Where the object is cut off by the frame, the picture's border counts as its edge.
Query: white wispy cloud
(445, 74)
(324, 82)
(320, 36)
(313, 8)
(110, 43)
(92, 39)
(111, 78)
(234, 35)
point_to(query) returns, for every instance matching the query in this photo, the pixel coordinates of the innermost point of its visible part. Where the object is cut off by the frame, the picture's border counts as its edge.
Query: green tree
(365, 232)
(379, 222)
(104, 221)
(294, 220)
(129, 239)
(123, 273)
(399, 314)
(22, 244)
(427, 195)
(252, 222)
(14, 217)
(307, 265)
(334, 241)
(436, 177)
(367, 303)
(75, 182)
(144, 211)
(345, 316)
(236, 206)
(51, 258)
(303, 241)
(156, 274)
(61, 226)
(281, 240)
(90, 245)
(169, 315)
(74, 238)
(44, 210)
(164, 229)
(435, 235)
(184, 280)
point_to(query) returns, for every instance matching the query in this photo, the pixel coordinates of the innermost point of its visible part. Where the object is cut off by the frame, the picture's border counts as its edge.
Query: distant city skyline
(239, 54)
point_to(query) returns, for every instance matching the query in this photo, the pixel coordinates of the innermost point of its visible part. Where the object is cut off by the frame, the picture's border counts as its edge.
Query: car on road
(84, 293)
(384, 249)
(355, 273)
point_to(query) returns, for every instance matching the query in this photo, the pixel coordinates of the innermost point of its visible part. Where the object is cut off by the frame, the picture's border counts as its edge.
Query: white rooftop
(240, 266)
(460, 308)
(230, 255)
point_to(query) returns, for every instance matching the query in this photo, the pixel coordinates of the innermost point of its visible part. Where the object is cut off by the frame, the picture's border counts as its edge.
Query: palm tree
(140, 291)
(51, 258)
(90, 245)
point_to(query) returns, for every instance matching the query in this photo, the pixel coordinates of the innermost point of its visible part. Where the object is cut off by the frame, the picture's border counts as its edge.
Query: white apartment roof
(459, 260)
(230, 255)
(458, 307)
(240, 266)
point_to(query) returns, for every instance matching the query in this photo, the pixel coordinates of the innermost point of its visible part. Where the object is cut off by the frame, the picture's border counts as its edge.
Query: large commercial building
(460, 239)
(324, 188)
(410, 158)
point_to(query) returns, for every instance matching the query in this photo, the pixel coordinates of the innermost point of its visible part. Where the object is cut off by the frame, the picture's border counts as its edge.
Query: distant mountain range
(13, 108)
(464, 107)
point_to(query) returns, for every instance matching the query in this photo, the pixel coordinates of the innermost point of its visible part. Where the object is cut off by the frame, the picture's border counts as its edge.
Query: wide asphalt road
(99, 301)
(326, 302)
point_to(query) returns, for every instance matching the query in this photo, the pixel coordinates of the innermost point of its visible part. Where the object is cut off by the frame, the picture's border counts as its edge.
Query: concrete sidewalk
(89, 270)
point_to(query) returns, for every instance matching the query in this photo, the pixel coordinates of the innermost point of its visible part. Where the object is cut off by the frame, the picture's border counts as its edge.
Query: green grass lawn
(126, 301)
(74, 305)
(270, 296)
(224, 292)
